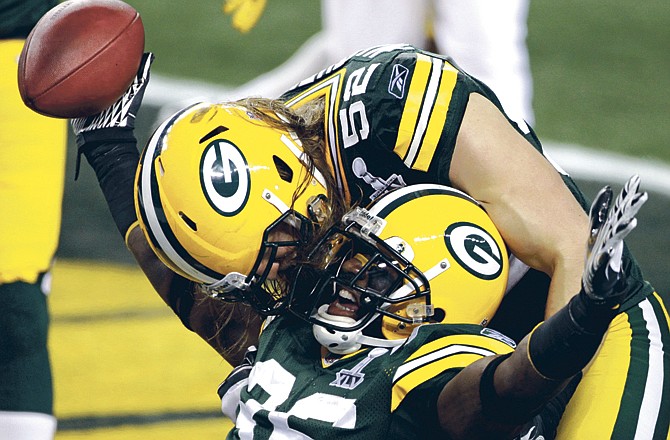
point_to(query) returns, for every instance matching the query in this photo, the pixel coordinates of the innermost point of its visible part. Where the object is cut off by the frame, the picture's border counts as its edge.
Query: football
(80, 57)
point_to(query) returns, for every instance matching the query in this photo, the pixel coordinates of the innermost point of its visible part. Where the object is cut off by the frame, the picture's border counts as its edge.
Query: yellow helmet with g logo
(214, 182)
(422, 253)
(457, 247)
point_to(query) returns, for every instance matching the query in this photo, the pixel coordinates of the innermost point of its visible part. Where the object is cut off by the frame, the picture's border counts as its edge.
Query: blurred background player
(32, 169)
(487, 38)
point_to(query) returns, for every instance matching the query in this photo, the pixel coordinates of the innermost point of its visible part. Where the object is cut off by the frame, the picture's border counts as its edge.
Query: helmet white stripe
(303, 157)
(153, 224)
(275, 201)
(431, 273)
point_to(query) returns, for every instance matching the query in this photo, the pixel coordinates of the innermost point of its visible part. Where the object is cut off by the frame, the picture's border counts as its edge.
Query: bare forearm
(539, 219)
(493, 416)
(565, 280)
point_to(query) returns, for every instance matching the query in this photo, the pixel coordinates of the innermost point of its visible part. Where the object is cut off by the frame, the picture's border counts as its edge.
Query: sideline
(580, 162)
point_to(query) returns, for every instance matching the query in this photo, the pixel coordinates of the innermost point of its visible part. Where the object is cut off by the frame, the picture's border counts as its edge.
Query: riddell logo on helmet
(474, 249)
(224, 177)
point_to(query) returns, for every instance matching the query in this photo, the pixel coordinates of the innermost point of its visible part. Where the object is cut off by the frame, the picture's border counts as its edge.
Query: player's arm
(536, 214)
(109, 145)
(494, 396)
(228, 327)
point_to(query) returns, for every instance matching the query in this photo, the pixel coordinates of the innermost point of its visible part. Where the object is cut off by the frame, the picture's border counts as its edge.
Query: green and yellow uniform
(392, 114)
(32, 171)
(297, 389)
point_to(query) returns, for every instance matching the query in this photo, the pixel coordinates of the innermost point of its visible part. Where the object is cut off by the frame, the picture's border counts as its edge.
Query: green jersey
(392, 115)
(297, 389)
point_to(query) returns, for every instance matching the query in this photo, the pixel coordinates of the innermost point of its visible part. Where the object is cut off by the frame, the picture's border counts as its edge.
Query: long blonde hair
(308, 123)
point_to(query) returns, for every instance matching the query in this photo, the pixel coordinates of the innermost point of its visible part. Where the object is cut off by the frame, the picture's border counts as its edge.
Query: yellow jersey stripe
(454, 351)
(437, 118)
(612, 361)
(410, 366)
(662, 304)
(426, 371)
(426, 111)
(413, 103)
(330, 89)
(484, 342)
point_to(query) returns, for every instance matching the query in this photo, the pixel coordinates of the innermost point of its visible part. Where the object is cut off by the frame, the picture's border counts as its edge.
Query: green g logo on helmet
(474, 249)
(224, 176)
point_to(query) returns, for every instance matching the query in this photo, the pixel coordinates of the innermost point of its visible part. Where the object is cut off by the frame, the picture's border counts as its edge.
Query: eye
(380, 277)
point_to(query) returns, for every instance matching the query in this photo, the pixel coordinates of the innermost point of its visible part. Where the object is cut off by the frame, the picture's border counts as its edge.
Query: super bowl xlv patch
(350, 379)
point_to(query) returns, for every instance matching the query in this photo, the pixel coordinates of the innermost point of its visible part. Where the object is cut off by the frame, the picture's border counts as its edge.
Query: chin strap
(345, 342)
(349, 342)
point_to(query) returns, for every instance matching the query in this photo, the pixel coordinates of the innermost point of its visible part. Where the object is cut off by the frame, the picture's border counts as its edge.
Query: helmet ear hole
(190, 223)
(283, 169)
(438, 315)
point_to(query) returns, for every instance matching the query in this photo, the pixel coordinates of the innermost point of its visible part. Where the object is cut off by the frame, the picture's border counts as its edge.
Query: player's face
(285, 254)
(352, 303)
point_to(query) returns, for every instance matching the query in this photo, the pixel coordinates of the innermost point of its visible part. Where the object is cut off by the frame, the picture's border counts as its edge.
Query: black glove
(122, 113)
(602, 280)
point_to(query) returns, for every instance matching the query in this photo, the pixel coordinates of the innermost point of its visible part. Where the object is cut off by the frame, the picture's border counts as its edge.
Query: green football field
(601, 68)
(125, 368)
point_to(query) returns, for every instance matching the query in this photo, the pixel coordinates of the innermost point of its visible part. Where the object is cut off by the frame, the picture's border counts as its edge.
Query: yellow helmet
(213, 182)
(426, 253)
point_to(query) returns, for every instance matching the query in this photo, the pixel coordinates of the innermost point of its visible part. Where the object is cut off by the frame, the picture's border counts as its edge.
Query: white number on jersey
(357, 84)
(277, 382)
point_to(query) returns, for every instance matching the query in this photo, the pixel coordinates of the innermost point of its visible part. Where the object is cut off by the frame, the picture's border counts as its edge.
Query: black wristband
(565, 343)
(114, 157)
(497, 409)
(90, 139)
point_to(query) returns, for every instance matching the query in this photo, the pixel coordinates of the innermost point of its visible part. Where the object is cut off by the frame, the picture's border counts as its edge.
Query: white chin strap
(346, 342)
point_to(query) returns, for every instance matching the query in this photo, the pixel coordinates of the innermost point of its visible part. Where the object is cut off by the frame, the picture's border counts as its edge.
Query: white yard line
(613, 168)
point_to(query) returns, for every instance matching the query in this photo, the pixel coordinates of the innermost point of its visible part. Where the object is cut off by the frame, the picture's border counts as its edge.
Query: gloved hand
(117, 122)
(602, 279)
(122, 113)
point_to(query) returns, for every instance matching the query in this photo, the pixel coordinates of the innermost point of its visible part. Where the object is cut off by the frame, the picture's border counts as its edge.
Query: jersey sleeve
(419, 109)
(432, 358)
(392, 114)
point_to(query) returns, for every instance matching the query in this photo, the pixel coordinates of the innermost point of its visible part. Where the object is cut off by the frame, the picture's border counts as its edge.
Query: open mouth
(346, 304)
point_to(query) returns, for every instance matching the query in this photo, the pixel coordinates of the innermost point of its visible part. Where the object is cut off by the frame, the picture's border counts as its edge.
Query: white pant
(487, 38)
(26, 426)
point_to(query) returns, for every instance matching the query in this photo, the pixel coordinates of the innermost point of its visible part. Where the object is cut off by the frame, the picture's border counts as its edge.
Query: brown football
(80, 57)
